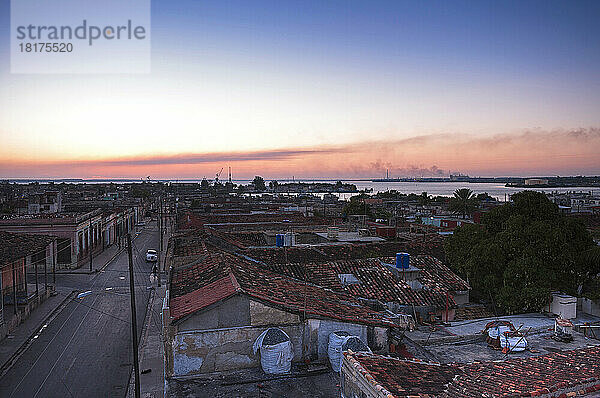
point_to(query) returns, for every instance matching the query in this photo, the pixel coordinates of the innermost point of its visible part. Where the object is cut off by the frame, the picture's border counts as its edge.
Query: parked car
(151, 255)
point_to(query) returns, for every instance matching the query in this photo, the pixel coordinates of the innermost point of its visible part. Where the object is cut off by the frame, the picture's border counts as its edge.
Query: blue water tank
(402, 260)
(279, 240)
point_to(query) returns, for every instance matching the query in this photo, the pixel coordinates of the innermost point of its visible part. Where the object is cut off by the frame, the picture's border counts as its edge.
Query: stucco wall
(591, 307)
(461, 297)
(261, 314)
(320, 329)
(354, 385)
(378, 339)
(231, 312)
(221, 338)
(208, 351)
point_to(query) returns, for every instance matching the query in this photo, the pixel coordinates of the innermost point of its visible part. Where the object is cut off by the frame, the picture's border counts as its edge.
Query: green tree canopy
(357, 205)
(259, 183)
(522, 251)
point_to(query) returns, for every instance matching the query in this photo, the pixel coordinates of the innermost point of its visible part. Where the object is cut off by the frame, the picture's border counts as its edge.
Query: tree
(273, 185)
(357, 206)
(138, 191)
(204, 184)
(259, 183)
(484, 197)
(424, 199)
(523, 251)
(463, 202)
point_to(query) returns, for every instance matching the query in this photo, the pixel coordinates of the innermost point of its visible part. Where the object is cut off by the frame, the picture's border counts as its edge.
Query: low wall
(23, 313)
(590, 307)
(217, 350)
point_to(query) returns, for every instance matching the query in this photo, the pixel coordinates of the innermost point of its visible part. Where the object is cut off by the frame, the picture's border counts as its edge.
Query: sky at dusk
(338, 89)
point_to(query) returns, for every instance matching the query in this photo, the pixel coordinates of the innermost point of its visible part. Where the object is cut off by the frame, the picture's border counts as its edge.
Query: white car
(151, 255)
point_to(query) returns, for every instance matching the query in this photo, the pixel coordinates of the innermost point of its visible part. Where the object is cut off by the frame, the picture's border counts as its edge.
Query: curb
(141, 343)
(5, 367)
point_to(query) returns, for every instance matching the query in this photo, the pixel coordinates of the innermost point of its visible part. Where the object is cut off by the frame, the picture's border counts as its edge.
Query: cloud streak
(529, 152)
(189, 159)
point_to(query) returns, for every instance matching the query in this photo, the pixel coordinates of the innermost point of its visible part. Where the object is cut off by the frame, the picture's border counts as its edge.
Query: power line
(100, 311)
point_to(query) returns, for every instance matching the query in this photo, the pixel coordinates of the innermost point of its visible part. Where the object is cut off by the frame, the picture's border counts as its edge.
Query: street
(86, 349)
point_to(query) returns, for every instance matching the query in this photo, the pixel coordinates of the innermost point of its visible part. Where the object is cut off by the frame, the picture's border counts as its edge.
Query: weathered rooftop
(218, 276)
(16, 246)
(374, 280)
(577, 370)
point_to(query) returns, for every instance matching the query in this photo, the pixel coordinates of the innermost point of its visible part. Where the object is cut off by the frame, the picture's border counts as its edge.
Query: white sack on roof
(513, 343)
(497, 331)
(337, 340)
(276, 352)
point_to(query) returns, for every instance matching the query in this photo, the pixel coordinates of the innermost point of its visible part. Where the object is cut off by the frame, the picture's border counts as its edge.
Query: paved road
(86, 349)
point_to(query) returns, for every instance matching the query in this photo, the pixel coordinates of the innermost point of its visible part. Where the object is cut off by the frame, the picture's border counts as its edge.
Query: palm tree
(463, 202)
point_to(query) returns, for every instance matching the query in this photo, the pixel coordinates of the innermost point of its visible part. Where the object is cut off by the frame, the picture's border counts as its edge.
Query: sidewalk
(151, 350)
(98, 262)
(14, 344)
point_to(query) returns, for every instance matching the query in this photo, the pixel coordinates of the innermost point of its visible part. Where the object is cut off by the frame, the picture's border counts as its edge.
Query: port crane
(218, 175)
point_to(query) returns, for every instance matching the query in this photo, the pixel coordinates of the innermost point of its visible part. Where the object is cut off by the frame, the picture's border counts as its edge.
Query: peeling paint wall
(590, 306)
(225, 349)
(220, 338)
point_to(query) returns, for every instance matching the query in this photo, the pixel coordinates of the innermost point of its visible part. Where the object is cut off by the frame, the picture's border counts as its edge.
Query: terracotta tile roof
(194, 220)
(205, 270)
(189, 244)
(248, 238)
(16, 246)
(535, 376)
(202, 297)
(211, 273)
(324, 253)
(553, 375)
(403, 378)
(377, 282)
(435, 273)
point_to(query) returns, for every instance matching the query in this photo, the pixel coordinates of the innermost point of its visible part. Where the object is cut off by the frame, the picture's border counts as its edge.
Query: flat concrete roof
(351, 237)
(463, 341)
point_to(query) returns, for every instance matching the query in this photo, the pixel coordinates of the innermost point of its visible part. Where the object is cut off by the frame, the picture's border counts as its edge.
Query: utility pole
(54, 266)
(37, 292)
(46, 271)
(161, 238)
(91, 245)
(136, 364)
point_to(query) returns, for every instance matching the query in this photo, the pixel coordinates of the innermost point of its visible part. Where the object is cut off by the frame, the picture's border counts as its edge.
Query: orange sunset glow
(571, 151)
